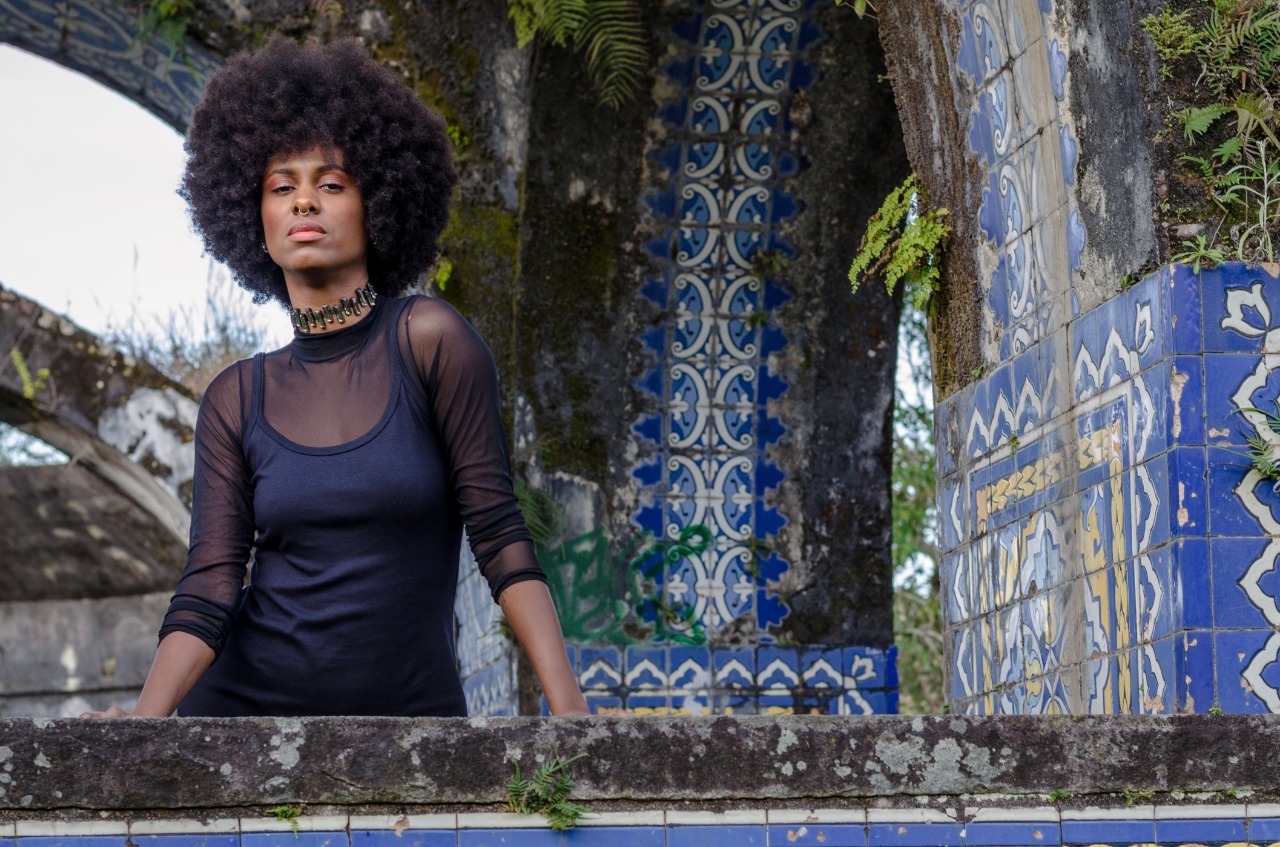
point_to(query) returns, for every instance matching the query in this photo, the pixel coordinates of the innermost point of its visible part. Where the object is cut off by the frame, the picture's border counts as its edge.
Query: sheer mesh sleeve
(221, 516)
(458, 377)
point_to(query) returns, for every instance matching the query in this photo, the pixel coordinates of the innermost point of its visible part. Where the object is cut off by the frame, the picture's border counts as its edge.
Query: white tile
(624, 819)
(500, 820)
(1201, 812)
(1121, 813)
(304, 823)
(219, 826)
(6, 829)
(440, 821)
(1263, 810)
(908, 816)
(1029, 814)
(35, 829)
(739, 817)
(818, 816)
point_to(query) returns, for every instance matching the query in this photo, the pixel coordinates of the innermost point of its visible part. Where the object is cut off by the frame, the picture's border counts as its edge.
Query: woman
(347, 463)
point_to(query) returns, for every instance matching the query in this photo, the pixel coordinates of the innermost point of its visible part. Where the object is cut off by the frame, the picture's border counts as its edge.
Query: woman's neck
(318, 310)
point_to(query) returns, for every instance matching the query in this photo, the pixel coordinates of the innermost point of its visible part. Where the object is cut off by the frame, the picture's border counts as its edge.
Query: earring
(264, 247)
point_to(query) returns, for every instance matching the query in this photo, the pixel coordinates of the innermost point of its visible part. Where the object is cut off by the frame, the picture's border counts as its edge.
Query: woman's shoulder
(232, 383)
(433, 318)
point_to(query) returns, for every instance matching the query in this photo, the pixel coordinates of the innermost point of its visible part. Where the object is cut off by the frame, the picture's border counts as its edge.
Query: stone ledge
(706, 762)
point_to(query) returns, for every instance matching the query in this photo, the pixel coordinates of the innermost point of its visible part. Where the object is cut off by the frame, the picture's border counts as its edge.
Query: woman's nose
(303, 204)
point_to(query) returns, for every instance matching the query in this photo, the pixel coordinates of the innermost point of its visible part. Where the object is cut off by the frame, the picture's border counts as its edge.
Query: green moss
(478, 235)
(482, 245)
(567, 318)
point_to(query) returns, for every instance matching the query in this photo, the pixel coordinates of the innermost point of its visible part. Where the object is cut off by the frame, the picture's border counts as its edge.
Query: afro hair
(285, 99)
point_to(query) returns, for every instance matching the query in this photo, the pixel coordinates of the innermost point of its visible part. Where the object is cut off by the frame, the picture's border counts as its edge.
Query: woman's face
(313, 218)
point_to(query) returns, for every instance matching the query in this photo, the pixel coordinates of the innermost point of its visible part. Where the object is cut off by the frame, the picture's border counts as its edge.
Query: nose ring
(304, 212)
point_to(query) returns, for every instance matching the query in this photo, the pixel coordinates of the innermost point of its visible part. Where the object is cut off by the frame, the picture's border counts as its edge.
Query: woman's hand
(573, 712)
(111, 712)
(180, 660)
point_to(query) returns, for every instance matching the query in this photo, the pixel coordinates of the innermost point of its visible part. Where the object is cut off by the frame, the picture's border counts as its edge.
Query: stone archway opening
(97, 442)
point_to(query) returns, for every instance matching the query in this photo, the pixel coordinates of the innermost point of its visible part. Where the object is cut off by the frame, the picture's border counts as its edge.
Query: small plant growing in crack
(546, 793)
(288, 812)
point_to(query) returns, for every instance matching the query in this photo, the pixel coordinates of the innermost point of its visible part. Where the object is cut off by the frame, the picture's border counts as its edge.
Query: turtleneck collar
(317, 347)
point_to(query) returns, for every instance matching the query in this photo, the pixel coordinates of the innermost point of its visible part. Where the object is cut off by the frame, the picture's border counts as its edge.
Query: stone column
(705, 398)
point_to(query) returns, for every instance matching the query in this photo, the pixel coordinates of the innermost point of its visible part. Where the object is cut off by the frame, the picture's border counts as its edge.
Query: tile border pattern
(854, 827)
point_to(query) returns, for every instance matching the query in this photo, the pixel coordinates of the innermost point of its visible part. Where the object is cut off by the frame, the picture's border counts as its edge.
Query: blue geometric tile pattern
(738, 67)
(1107, 546)
(1207, 826)
(705, 463)
(1129, 527)
(671, 680)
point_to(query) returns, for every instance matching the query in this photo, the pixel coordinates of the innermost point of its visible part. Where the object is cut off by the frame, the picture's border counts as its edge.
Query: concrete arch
(98, 38)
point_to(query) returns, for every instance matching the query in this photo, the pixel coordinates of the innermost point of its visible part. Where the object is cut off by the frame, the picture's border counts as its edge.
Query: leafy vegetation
(547, 793)
(1262, 453)
(904, 241)
(609, 34)
(1232, 50)
(288, 812)
(1199, 254)
(582, 577)
(31, 385)
(862, 7)
(167, 21)
(917, 611)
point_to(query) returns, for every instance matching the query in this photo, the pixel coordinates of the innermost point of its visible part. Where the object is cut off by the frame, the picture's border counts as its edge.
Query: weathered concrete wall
(1102, 552)
(648, 782)
(71, 766)
(61, 658)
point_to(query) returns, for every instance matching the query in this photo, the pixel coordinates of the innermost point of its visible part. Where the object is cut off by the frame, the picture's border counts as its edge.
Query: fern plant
(904, 240)
(609, 34)
(1236, 51)
(546, 793)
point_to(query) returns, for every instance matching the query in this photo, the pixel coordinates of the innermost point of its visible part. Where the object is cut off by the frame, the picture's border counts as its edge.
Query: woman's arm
(460, 383)
(180, 660)
(205, 602)
(528, 608)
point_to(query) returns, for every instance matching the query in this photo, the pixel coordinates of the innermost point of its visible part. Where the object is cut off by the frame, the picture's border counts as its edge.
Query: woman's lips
(305, 232)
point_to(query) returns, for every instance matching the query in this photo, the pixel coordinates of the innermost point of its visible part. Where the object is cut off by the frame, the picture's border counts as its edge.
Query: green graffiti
(612, 592)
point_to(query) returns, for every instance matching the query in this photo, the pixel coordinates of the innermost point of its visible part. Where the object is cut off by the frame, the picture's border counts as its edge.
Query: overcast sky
(89, 222)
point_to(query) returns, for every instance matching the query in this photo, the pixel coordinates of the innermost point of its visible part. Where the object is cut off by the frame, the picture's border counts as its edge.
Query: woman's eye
(333, 186)
(281, 189)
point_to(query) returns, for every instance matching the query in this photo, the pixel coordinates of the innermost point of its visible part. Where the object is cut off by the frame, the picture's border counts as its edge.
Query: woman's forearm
(180, 661)
(528, 608)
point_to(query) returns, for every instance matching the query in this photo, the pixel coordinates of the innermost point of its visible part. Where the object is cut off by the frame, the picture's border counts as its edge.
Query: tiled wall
(1162, 826)
(744, 681)
(1105, 544)
(486, 656)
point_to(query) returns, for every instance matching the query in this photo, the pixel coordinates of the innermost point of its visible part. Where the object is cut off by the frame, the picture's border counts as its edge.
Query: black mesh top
(347, 465)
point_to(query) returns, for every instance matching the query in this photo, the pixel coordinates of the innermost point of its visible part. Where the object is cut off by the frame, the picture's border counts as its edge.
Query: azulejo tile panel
(1128, 538)
(1107, 528)
(701, 680)
(738, 63)
(706, 472)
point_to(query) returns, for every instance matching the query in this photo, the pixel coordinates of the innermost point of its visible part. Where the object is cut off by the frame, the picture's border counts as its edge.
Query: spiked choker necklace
(305, 322)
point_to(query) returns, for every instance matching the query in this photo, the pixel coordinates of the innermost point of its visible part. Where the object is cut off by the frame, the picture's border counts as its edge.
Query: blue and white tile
(1248, 673)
